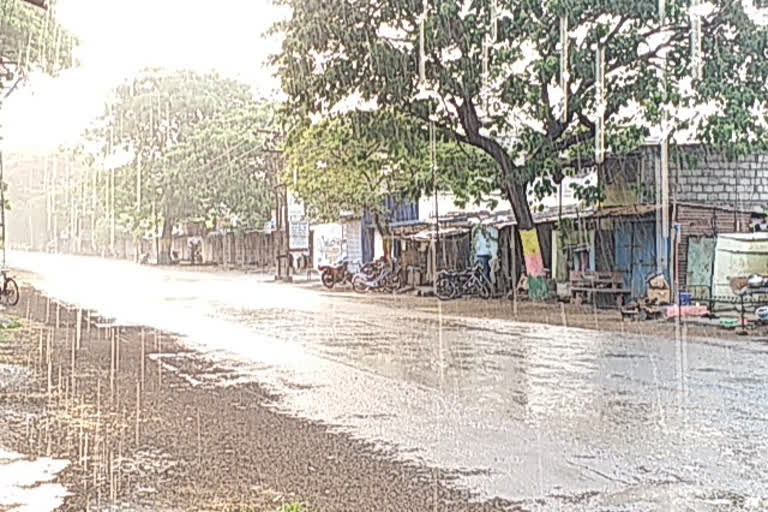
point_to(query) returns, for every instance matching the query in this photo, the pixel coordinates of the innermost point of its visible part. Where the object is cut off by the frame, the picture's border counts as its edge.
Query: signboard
(295, 207)
(299, 235)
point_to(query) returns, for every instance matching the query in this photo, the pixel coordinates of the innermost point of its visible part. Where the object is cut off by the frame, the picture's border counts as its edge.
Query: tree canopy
(513, 110)
(353, 162)
(196, 146)
(31, 39)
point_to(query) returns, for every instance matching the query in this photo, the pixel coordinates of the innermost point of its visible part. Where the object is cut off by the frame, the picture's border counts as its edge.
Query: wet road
(560, 419)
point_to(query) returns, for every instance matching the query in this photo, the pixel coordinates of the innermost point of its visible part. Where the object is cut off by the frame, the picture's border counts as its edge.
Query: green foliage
(590, 195)
(352, 162)
(31, 37)
(292, 507)
(197, 147)
(370, 47)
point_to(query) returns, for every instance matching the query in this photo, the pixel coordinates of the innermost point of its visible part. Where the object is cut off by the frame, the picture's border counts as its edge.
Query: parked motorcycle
(379, 276)
(332, 275)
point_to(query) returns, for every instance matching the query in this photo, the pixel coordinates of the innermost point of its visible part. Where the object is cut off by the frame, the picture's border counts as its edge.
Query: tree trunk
(518, 198)
(166, 241)
(516, 192)
(384, 230)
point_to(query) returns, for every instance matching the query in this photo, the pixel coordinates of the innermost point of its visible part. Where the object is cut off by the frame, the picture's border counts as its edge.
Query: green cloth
(538, 288)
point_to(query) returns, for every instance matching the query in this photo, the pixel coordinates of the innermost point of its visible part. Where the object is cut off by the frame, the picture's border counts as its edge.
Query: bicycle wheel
(445, 288)
(484, 290)
(11, 292)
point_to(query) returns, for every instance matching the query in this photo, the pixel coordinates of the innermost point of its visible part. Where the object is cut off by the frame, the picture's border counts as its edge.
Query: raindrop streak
(600, 103)
(696, 57)
(494, 21)
(564, 73)
(422, 49)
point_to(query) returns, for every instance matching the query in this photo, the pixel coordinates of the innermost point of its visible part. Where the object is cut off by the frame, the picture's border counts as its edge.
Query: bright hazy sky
(120, 37)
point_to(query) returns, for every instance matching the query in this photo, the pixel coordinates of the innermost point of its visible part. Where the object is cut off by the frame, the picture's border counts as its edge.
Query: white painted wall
(327, 243)
(378, 245)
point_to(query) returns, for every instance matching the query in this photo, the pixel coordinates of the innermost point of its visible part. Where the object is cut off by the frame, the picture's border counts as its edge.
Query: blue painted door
(368, 234)
(635, 248)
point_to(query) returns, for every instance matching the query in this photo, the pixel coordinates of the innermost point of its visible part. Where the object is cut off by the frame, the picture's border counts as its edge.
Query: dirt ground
(552, 313)
(170, 436)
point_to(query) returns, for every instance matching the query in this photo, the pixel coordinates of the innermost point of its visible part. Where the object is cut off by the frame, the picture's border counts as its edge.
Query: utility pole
(54, 207)
(287, 235)
(112, 212)
(93, 177)
(433, 163)
(277, 230)
(2, 203)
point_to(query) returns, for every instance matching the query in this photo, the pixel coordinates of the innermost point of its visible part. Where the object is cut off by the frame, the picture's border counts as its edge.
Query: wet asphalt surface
(540, 414)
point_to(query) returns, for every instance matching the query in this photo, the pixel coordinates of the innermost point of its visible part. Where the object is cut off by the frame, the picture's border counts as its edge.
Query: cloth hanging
(495, 267)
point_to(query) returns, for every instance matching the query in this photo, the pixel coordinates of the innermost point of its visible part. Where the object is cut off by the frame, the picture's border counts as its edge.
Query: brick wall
(702, 221)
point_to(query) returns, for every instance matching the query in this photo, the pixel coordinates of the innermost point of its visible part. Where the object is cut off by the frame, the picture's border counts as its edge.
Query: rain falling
(385, 255)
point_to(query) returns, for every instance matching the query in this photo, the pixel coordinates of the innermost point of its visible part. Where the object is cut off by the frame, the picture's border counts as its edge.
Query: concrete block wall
(711, 179)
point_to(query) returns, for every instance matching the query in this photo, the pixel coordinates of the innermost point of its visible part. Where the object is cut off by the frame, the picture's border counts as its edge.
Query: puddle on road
(26, 485)
(487, 393)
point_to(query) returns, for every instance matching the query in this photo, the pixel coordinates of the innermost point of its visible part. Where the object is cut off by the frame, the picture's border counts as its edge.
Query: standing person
(484, 247)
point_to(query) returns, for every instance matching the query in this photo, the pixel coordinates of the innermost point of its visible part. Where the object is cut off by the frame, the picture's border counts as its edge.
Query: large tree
(369, 49)
(355, 161)
(194, 145)
(31, 39)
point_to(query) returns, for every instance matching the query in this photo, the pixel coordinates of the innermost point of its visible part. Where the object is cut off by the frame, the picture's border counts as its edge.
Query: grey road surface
(556, 418)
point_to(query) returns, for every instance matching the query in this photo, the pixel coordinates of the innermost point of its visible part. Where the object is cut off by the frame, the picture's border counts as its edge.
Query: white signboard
(295, 207)
(299, 237)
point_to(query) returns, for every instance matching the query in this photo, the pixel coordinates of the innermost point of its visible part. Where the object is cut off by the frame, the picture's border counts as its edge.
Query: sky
(119, 37)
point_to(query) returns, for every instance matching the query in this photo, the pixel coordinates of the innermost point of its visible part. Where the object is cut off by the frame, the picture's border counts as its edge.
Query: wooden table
(588, 285)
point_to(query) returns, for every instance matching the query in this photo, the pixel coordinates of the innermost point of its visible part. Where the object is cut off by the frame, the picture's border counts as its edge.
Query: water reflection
(565, 415)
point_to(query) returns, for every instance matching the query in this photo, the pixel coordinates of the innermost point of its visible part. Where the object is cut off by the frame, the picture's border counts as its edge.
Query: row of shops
(623, 240)
(640, 230)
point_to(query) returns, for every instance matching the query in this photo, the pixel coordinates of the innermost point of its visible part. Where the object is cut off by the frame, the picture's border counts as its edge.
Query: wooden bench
(585, 285)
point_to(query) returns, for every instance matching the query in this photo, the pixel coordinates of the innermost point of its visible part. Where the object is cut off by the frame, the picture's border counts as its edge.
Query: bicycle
(454, 285)
(10, 291)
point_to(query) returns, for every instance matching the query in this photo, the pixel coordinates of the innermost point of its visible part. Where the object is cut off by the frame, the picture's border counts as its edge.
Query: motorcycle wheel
(328, 279)
(394, 283)
(359, 285)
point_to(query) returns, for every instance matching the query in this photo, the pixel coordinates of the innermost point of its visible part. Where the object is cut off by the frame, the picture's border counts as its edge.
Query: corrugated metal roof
(626, 211)
(407, 223)
(462, 222)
